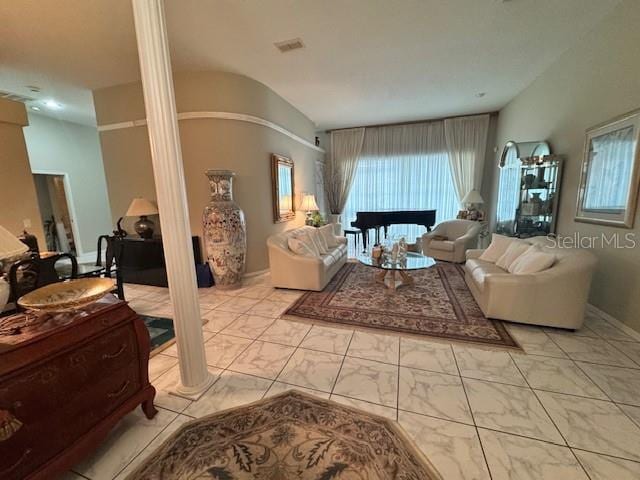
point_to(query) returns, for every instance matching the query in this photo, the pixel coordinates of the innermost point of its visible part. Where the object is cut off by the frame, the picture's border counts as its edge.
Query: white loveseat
(290, 270)
(556, 297)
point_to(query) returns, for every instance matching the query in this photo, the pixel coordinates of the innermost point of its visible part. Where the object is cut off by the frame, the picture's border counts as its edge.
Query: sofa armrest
(341, 240)
(474, 253)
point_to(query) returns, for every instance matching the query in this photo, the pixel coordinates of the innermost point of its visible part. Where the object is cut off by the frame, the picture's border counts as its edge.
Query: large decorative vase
(225, 234)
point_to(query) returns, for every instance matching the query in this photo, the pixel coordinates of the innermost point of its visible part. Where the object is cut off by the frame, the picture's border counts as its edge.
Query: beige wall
(592, 82)
(210, 143)
(56, 146)
(18, 200)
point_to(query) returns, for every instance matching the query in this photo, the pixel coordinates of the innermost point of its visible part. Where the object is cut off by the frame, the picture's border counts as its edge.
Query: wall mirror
(610, 173)
(282, 186)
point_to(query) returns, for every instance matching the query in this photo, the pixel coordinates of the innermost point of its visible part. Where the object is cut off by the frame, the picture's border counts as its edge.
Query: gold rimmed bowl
(66, 296)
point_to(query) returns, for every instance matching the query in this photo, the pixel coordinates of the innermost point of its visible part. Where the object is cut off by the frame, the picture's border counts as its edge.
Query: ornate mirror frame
(622, 129)
(282, 213)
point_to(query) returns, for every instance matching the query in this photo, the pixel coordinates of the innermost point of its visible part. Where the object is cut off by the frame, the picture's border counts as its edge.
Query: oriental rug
(439, 304)
(285, 437)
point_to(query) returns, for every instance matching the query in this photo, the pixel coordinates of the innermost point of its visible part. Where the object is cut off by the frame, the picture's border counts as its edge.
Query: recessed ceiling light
(480, 95)
(52, 104)
(37, 109)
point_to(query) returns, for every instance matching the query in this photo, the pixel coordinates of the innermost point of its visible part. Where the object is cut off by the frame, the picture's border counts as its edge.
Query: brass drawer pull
(26, 453)
(108, 356)
(119, 392)
(9, 425)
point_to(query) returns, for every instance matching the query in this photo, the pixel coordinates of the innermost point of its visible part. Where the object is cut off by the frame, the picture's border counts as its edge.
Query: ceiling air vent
(289, 45)
(15, 97)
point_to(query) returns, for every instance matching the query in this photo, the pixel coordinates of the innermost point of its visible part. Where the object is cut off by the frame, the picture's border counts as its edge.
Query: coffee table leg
(378, 277)
(392, 283)
(406, 278)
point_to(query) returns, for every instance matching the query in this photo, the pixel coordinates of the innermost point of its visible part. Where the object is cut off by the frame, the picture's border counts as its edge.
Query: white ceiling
(365, 61)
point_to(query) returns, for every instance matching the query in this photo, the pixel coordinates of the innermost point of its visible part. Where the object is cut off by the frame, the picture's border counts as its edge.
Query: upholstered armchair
(450, 240)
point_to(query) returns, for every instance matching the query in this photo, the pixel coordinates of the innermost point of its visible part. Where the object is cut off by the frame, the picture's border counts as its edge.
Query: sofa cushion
(497, 248)
(515, 249)
(299, 247)
(445, 245)
(534, 260)
(318, 241)
(307, 237)
(474, 263)
(328, 233)
(479, 275)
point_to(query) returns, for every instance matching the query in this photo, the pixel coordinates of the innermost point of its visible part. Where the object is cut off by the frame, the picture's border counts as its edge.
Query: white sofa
(461, 236)
(289, 270)
(556, 297)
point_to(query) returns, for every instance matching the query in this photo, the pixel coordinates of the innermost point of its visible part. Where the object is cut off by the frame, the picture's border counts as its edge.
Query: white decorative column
(168, 172)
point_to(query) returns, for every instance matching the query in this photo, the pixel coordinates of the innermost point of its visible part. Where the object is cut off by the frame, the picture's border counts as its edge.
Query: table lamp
(141, 207)
(10, 248)
(309, 205)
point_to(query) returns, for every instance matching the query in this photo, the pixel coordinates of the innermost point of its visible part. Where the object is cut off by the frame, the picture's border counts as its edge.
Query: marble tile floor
(567, 407)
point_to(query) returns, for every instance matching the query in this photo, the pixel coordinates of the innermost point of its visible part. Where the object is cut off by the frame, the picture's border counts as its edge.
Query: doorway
(57, 221)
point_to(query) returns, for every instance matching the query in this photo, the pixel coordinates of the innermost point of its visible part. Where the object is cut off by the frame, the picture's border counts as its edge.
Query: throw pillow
(499, 245)
(307, 239)
(534, 260)
(299, 247)
(314, 235)
(515, 249)
(322, 243)
(328, 233)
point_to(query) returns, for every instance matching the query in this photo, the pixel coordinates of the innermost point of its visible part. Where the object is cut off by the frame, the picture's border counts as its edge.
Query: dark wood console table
(65, 381)
(141, 260)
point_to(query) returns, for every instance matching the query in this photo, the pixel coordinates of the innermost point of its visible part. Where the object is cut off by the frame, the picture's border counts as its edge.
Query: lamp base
(144, 227)
(309, 220)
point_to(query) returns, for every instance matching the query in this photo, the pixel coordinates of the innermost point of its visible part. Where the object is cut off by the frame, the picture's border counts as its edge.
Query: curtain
(508, 193)
(403, 167)
(340, 168)
(466, 139)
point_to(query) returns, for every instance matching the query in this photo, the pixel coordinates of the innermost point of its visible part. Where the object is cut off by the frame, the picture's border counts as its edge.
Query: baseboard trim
(256, 273)
(615, 322)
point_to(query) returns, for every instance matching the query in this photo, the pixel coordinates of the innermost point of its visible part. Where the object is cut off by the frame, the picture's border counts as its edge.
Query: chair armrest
(474, 253)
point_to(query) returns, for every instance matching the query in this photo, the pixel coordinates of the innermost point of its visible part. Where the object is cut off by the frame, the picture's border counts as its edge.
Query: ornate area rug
(288, 436)
(439, 304)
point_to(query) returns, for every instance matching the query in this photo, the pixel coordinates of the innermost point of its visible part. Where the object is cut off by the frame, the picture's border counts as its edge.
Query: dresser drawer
(44, 388)
(39, 439)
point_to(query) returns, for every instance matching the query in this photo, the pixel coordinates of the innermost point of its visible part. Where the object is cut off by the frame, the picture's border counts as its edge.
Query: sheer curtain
(403, 167)
(340, 167)
(508, 193)
(609, 171)
(466, 139)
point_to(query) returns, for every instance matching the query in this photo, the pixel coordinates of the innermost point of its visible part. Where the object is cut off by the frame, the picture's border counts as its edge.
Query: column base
(193, 393)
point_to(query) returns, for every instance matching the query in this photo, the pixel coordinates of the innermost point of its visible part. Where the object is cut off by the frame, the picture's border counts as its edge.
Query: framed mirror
(610, 173)
(283, 188)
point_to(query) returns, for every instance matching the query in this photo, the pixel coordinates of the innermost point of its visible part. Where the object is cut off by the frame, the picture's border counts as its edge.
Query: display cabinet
(528, 190)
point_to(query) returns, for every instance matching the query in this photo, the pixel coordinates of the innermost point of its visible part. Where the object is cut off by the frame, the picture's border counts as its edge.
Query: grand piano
(383, 219)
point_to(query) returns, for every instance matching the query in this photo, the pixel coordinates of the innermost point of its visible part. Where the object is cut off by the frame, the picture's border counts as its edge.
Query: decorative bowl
(69, 295)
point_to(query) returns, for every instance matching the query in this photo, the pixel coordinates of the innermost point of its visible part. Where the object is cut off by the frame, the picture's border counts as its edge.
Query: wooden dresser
(65, 381)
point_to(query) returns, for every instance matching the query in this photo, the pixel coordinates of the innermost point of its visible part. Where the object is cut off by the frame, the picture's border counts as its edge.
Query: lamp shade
(309, 203)
(140, 207)
(472, 197)
(10, 246)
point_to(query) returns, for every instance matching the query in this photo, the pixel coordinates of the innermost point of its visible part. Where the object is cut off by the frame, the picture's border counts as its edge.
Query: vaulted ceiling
(364, 61)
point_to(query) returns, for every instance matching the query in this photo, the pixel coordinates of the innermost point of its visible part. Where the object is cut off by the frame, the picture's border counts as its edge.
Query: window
(419, 181)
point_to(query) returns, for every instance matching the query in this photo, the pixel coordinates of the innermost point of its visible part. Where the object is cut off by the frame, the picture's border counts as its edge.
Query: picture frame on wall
(610, 173)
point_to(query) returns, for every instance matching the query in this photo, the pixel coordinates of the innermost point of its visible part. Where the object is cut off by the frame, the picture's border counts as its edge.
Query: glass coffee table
(387, 272)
